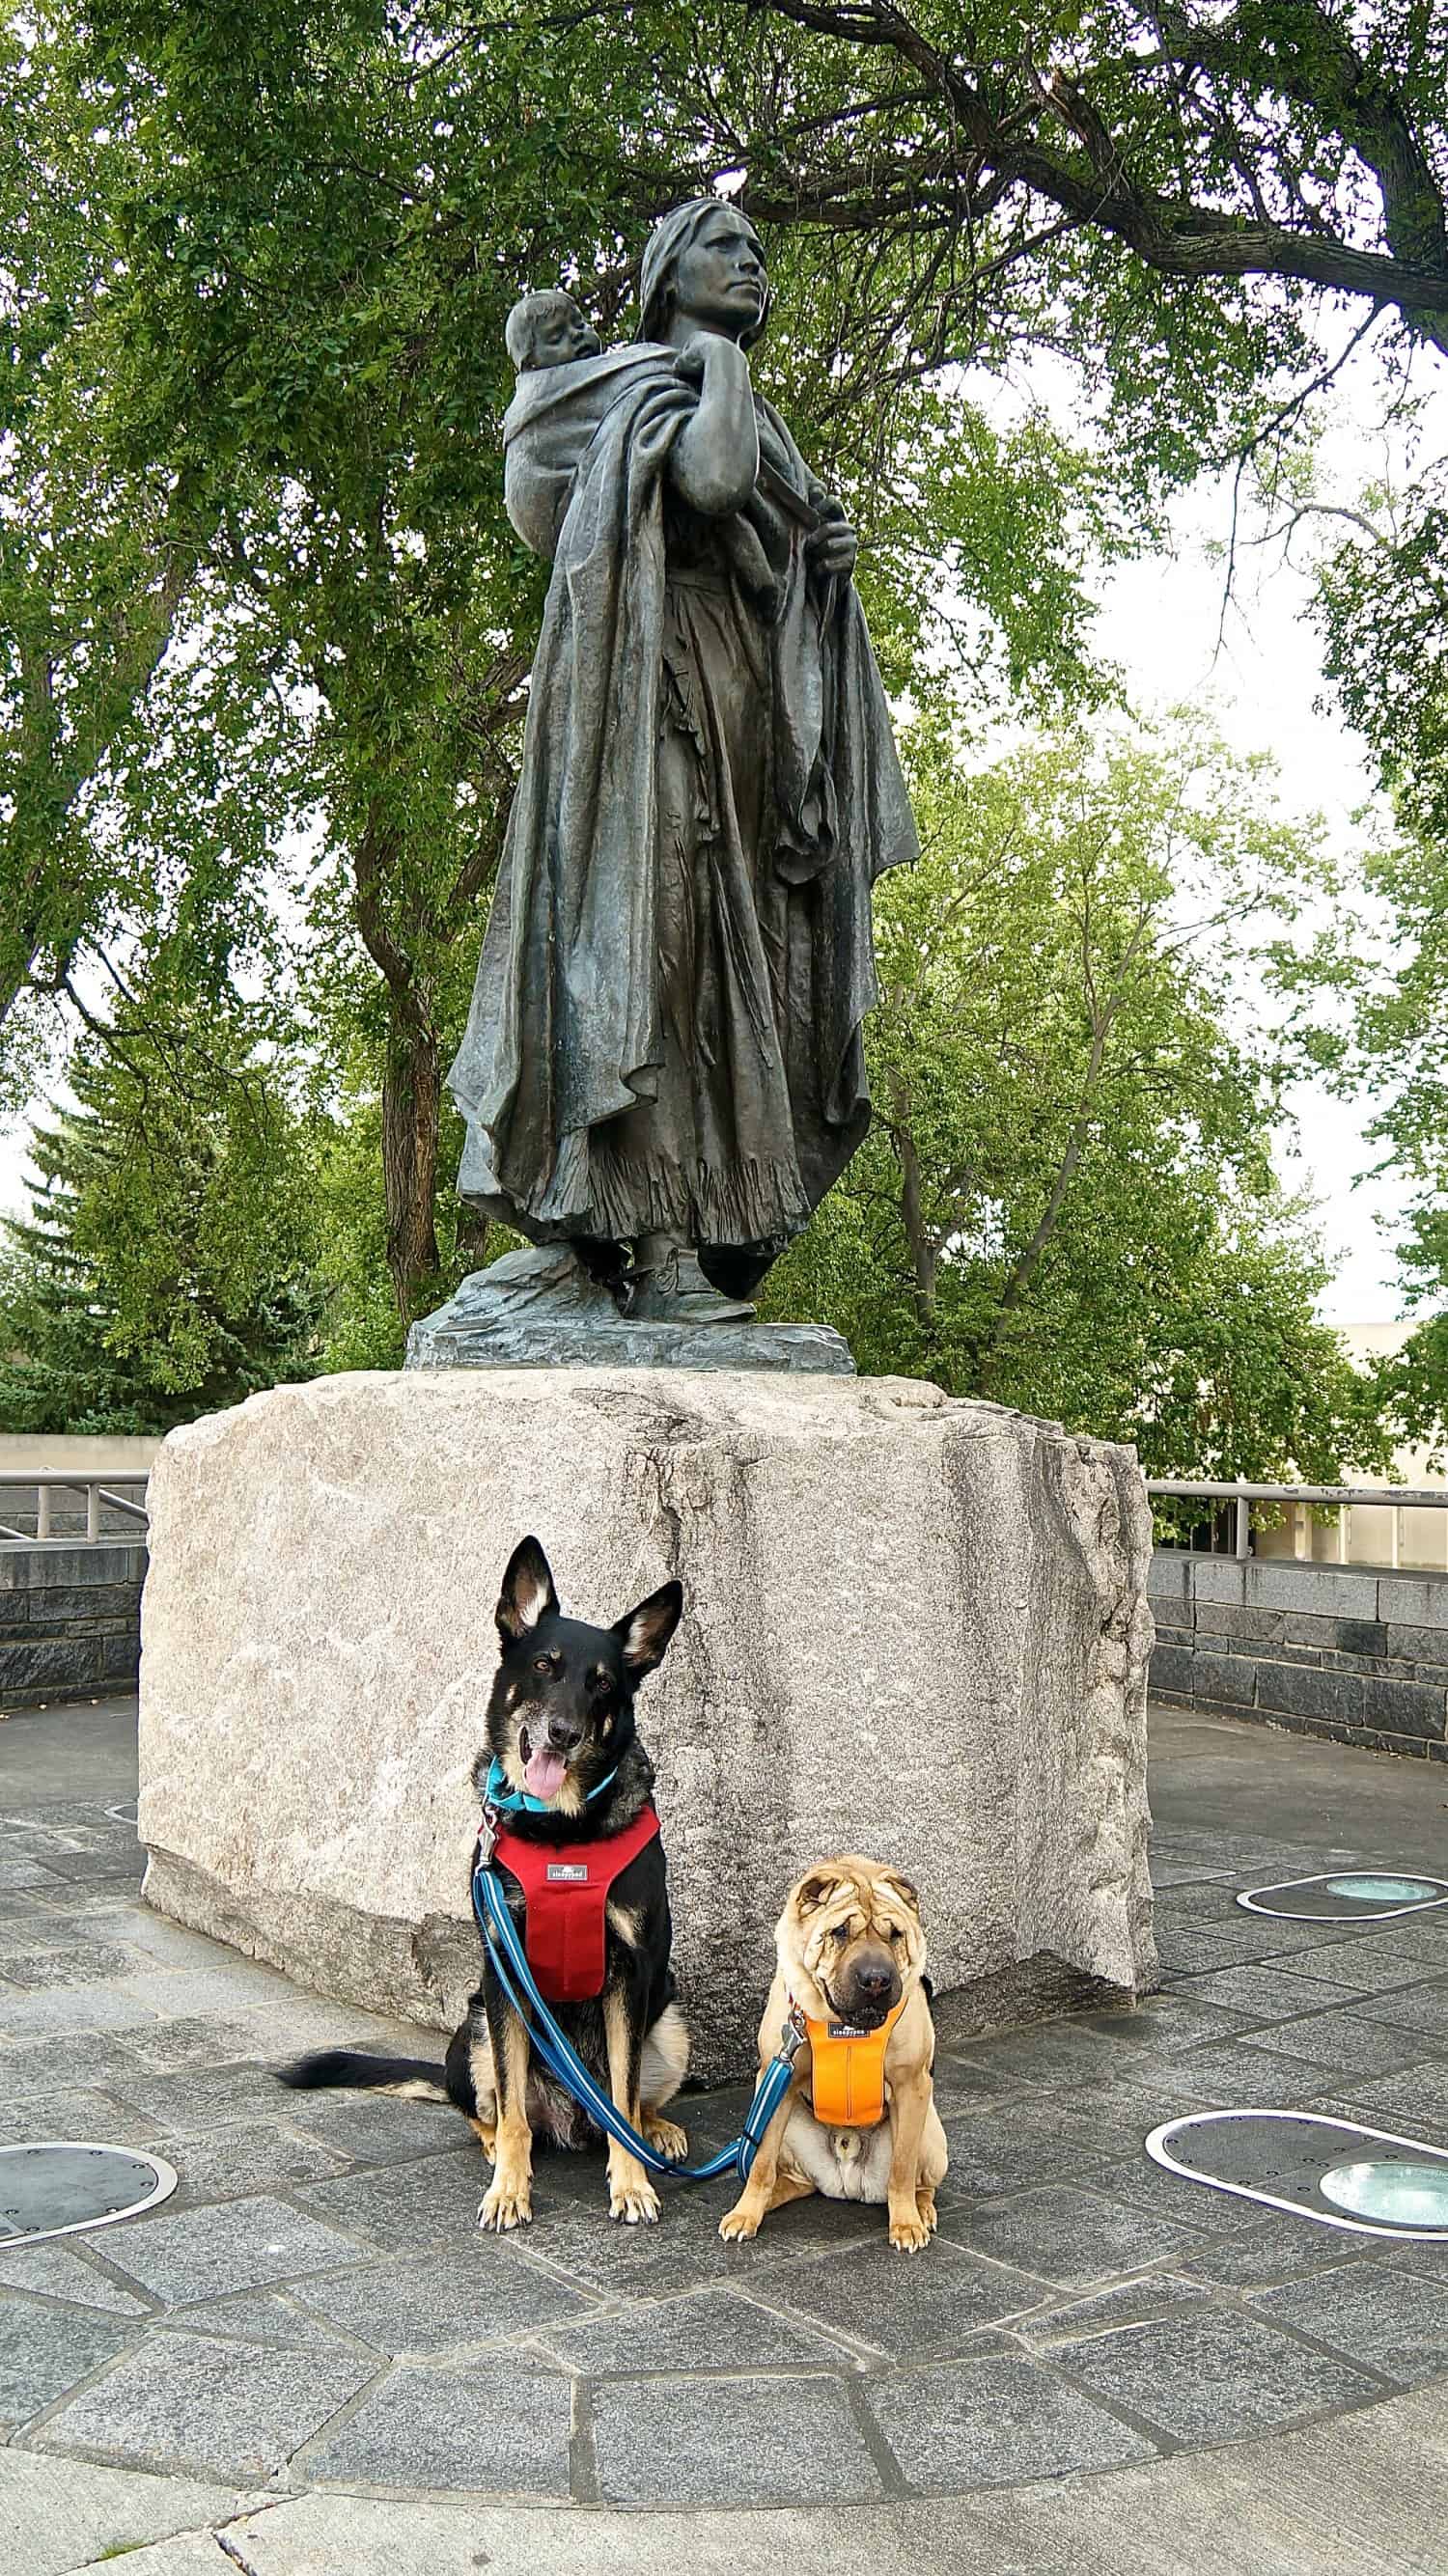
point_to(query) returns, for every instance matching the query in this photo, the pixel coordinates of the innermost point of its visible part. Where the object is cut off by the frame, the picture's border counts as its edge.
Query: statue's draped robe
(665, 1028)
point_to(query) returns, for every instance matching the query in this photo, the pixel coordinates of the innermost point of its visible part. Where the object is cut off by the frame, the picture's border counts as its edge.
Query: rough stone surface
(913, 1626)
(539, 1310)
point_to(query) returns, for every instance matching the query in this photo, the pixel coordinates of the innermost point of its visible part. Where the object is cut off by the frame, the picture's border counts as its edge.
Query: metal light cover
(60, 2186)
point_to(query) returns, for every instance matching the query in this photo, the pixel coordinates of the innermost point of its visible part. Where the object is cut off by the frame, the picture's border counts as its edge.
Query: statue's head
(548, 330)
(705, 260)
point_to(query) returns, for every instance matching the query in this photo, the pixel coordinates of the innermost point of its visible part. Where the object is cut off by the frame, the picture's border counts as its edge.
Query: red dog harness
(565, 1888)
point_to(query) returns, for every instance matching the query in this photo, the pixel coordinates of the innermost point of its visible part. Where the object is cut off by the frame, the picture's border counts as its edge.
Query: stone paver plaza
(314, 2308)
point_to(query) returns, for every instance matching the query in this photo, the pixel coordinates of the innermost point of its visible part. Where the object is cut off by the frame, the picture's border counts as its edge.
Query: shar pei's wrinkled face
(851, 1931)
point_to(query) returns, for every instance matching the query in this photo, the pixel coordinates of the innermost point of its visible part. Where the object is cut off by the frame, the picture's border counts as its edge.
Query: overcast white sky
(1160, 622)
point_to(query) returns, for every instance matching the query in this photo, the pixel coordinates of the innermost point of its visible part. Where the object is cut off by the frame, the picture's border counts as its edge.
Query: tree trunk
(411, 1092)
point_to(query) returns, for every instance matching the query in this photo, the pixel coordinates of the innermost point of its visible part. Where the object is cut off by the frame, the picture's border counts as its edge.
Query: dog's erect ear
(527, 1595)
(816, 1890)
(646, 1631)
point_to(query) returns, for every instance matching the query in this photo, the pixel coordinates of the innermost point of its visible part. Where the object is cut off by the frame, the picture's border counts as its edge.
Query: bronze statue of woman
(663, 1063)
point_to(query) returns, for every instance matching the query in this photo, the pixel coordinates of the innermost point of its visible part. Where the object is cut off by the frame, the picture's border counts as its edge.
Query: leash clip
(792, 2036)
(487, 1837)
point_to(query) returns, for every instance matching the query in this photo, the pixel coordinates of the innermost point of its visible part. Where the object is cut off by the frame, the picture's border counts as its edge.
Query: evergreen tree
(167, 1267)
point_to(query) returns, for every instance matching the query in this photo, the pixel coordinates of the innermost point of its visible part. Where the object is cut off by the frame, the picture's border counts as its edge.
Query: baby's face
(560, 334)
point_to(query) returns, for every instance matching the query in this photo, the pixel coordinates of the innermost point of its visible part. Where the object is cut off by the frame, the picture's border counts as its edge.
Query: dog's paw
(908, 2234)
(665, 2136)
(502, 2209)
(738, 2224)
(925, 2203)
(636, 2203)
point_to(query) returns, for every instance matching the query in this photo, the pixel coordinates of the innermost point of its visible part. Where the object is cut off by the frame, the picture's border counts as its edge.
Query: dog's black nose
(875, 1980)
(564, 1734)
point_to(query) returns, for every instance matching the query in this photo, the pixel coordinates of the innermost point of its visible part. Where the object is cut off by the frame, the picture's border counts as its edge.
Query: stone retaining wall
(1342, 1651)
(70, 1622)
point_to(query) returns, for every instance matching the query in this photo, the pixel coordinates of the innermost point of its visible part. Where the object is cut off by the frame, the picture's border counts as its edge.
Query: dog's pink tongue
(544, 1772)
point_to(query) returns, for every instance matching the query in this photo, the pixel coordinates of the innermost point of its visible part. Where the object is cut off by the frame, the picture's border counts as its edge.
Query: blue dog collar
(505, 1800)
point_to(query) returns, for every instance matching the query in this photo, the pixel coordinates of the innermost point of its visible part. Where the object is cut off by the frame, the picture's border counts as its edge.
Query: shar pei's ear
(817, 1887)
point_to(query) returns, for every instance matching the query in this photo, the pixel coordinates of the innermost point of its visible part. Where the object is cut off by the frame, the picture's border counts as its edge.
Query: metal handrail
(98, 1490)
(1394, 1498)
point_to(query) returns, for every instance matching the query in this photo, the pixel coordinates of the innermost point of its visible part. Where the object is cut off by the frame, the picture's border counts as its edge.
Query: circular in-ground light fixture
(1386, 1891)
(1316, 2166)
(1347, 1896)
(1403, 2194)
(59, 2186)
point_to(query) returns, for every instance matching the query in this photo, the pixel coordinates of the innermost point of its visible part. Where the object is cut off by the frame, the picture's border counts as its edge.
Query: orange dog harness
(847, 2071)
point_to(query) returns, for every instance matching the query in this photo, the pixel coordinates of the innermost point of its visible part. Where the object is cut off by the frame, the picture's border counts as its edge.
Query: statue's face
(721, 280)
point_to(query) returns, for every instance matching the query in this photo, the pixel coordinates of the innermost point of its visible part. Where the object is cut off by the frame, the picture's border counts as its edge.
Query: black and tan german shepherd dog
(560, 1721)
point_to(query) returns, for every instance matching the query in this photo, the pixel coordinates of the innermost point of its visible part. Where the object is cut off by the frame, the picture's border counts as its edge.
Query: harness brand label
(848, 2030)
(572, 1872)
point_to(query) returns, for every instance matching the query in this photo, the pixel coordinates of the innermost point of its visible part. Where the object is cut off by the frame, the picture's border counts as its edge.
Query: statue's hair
(518, 332)
(666, 245)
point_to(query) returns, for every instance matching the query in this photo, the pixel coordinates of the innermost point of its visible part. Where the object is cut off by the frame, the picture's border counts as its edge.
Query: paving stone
(1370, 1967)
(45, 2350)
(189, 2102)
(1420, 1936)
(703, 2330)
(1055, 2054)
(1347, 2044)
(1128, 2303)
(996, 2422)
(36, 2067)
(46, 2012)
(1259, 2074)
(69, 2115)
(203, 2040)
(501, 2427)
(234, 2245)
(1216, 2375)
(1150, 2187)
(72, 1963)
(926, 2305)
(1415, 2008)
(1069, 2237)
(248, 2158)
(1267, 1994)
(193, 2401)
(730, 2442)
(1394, 2321)
(685, 2250)
(18, 1870)
(1180, 2019)
(270, 2317)
(1007, 2148)
(1415, 2101)
(375, 2129)
(970, 2083)
(60, 2271)
(485, 2292)
(431, 2202)
(1272, 2246)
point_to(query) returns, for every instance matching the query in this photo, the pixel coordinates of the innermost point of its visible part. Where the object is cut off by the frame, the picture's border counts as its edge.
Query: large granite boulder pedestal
(914, 1626)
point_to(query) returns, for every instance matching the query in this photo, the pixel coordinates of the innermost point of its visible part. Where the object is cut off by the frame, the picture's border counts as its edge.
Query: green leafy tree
(1066, 1201)
(306, 238)
(168, 1266)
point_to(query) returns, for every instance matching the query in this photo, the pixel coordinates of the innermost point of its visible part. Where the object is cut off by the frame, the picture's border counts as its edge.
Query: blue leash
(510, 1963)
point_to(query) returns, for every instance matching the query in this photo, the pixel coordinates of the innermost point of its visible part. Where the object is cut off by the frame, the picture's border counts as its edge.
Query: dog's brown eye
(840, 1932)
(545, 1663)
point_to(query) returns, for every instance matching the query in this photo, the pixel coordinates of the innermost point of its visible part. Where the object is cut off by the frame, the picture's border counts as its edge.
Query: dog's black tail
(416, 2079)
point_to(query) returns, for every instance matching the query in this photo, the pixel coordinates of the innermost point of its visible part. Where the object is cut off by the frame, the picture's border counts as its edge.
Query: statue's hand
(833, 547)
(708, 353)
